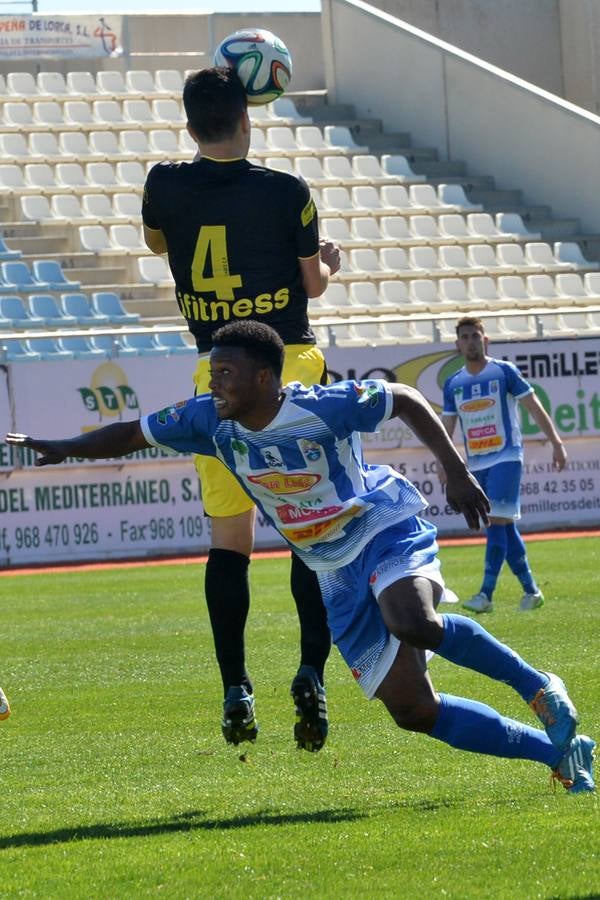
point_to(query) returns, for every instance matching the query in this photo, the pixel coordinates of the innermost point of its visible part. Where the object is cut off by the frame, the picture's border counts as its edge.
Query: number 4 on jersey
(212, 244)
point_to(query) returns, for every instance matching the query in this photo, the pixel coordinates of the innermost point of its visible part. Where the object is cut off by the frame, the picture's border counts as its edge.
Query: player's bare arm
(317, 269)
(545, 424)
(463, 491)
(104, 443)
(155, 240)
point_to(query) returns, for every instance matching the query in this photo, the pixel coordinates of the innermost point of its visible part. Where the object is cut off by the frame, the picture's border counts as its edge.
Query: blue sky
(89, 7)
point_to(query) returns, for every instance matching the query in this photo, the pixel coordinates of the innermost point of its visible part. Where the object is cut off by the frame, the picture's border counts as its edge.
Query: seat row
(481, 293)
(76, 85)
(95, 346)
(69, 311)
(96, 146)
(460, 260)
(36, 178)
(499, 328)
(44, 275)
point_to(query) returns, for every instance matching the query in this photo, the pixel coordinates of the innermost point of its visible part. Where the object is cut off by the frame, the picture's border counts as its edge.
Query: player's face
(472, 343)
(233, 382)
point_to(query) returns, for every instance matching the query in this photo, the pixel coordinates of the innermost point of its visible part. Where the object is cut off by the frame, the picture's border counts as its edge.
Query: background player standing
(484, 395)
(243, 243)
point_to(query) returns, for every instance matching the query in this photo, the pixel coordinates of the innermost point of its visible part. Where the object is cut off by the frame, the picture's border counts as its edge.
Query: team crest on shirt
(272, 457)
(367, 393)
(311, 450)
(170, 413)
(494, 386)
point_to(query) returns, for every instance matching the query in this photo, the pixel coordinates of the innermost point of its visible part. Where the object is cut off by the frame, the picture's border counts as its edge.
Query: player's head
(215, 104)
(245, 368)
(471, 339)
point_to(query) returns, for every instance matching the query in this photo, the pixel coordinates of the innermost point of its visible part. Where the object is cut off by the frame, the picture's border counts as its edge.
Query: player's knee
(419, 716)
(423, 630)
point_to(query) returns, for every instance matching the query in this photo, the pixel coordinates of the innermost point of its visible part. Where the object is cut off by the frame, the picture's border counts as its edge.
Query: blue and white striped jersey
(486, 406)
(305, 470)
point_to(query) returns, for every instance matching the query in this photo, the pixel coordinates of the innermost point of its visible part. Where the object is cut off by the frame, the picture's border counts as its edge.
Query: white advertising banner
(149, 504)
(37, 36)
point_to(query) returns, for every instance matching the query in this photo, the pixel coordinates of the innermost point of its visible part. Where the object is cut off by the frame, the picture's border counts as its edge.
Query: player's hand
(559, 456)
(50, 451)
(464, 494)
(330, 255)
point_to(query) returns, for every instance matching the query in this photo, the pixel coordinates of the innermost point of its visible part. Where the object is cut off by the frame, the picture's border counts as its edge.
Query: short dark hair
(214, 101)
(470, 322)
(258, 340)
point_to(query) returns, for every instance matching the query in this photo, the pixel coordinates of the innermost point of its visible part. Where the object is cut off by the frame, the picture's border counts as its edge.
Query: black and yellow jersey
(235, 232)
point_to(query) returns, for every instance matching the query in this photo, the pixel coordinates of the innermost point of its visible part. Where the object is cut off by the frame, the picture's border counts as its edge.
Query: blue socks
(469, 725)
(495, 554)
(516, 557)
(467, 644)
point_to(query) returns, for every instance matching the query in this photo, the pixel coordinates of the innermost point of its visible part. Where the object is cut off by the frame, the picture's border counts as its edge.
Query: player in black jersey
(243, 243)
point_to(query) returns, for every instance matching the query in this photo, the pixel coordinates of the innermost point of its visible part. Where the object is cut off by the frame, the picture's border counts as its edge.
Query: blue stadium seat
(44, 306)
(50, 271)
(81, 348)
(108, 343)
(14, 315)
(16, 351)
(5, 253)
(173, 342)
(47, 348)
(140, 345)
(17, 277)
(78, 305)
(109, 304)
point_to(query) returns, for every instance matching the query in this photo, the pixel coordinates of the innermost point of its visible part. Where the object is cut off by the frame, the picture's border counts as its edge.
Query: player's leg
(465, 724)
(305, 363)
(408, 610)
(495, 548)
(516, 554)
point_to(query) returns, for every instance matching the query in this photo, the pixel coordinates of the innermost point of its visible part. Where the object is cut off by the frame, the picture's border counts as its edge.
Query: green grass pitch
(116, 782)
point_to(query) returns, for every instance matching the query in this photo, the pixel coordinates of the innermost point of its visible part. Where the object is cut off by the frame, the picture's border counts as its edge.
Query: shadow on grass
(187, 821)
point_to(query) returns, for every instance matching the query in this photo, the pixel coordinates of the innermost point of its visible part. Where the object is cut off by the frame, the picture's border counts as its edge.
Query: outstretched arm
(462, 491)
(545, 424)
(113, 440)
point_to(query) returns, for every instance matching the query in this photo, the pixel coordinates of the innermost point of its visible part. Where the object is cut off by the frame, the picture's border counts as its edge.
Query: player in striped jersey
(297, 452)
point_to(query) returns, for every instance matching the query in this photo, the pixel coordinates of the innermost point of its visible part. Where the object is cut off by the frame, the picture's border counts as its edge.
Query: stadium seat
(107, 303)
(13, 314)
(512, 223)
(338, 230)
(366, 231)
(485, 257)
(398, 166)
(396, 197)
(453, 291)
(426, 292)
(280, 139)
(337, 201)
(81, 84)
(173, 342)
(108, 343)
(164, 141)
(285, 108)
(48, 348)
(453, 256)
(140, 345)
(514, 290)
(413, 332)
(130, 174)
(103, 146)
(484, 293)
(169, 81)
(40, 176)
(154, 270)
(18, 116)
(395, 228)
(513, 256)
(453, 227)
(425, 227)
(22, 84)
(52, 84)
(542, 290)
(16, 351)
(78, 306)
(81, 348)
(97, 209)
(44, 145)
(50, 272)
(553, 325)
(570, 252)
(79, 114)
(36, 208)
(6, 252)
(111, 83)
(139, 81)
(280, 164)
(396, 294)
(311, 169)
(396, 260)
(483, 227)
(44, 306)
(72, 178)
(17, 277)
(571, 288)
(95, 239)
(139, 113)
(135, 144)
(424, 197)
(454, 195)
(339, 169)
(538, 253)
(100, 176)
(49, 115)
(340, 137)
(107, 114)
(14, 148)
(127, 205)
(127, 237)
(11, 181)
(366, 166)
(167, 113)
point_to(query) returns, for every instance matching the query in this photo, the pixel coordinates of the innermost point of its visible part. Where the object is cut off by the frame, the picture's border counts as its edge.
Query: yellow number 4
(212, 243)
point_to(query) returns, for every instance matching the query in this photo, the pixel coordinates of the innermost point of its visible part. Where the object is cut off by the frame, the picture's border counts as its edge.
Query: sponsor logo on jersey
(477, 405)
(272, 457)
(367, 392)
(284, 482)
(288, 513)
(308, 213)
(476, 390)
(311, 450)
(170, 413)
(485, 445)
(318, 530)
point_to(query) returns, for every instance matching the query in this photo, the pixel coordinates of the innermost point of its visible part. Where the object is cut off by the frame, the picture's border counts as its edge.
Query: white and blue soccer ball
(262, 61)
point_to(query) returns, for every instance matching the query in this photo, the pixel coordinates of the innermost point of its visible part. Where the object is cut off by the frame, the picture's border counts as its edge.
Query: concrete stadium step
(440, 169)
(154, 310)
(15, 231)
(100, 276)
(555, 229)
(40, 246)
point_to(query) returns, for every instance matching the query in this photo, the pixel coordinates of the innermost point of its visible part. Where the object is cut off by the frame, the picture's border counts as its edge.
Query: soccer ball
(262, 61)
